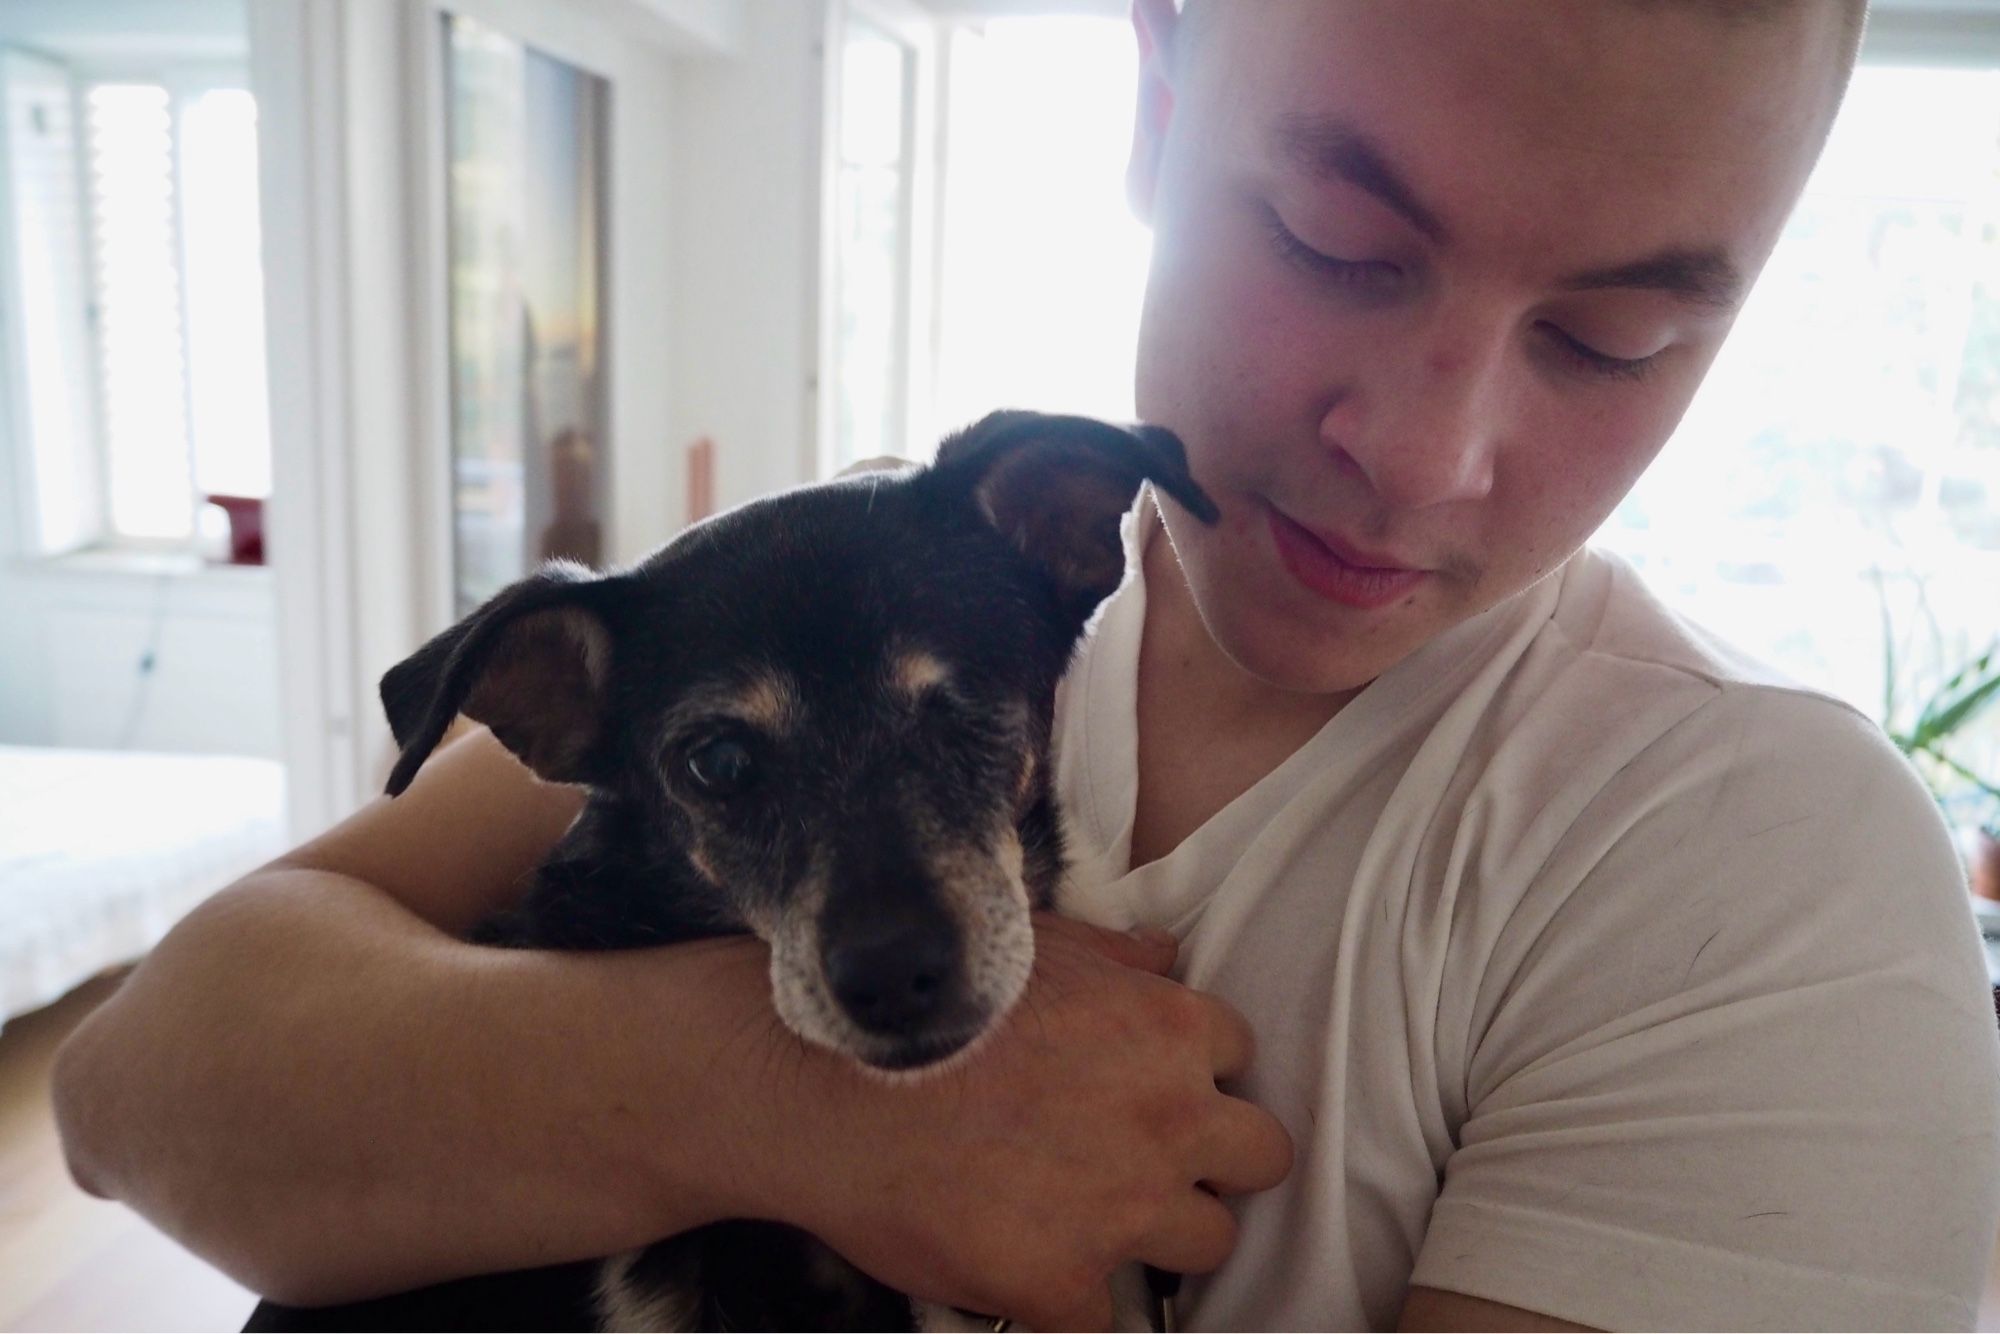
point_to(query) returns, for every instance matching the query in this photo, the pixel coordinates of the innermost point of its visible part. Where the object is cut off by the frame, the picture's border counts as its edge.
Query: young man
(1598, 976)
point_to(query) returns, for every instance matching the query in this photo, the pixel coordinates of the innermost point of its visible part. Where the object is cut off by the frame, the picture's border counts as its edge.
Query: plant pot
(1982, 863)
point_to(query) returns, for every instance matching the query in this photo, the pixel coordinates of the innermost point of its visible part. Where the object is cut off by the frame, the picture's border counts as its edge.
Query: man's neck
(1183, 657)
(1208, 730)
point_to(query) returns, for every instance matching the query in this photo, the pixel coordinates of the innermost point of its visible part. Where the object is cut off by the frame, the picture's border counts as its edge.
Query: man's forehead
(1627, 113)
(1605, 45)
(1198, 15)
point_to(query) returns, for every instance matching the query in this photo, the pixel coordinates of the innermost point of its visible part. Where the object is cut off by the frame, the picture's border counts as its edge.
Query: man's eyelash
(1592, 362)
(1373, 273)
(1365, 271)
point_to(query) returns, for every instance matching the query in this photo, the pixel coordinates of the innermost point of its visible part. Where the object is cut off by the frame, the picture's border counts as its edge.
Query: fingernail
(1153, 935)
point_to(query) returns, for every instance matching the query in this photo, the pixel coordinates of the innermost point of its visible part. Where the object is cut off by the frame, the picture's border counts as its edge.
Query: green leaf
(1988, 788)
(1888, 649)
(1960, 700)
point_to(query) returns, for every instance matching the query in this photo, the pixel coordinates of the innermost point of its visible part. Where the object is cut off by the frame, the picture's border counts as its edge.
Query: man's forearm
(331, 1099)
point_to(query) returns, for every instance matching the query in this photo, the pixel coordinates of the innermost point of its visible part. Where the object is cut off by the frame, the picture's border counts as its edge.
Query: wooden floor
(72, 1262)
(69, 1261)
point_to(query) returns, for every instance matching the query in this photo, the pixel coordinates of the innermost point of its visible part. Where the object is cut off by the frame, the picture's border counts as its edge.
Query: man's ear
(1057, 488)
(1156, 24)
(531, 664)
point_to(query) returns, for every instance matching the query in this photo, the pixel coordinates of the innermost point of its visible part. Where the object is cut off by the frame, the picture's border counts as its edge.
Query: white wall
(76, 639)
(746, 210)
(73, 633)
(113, 32)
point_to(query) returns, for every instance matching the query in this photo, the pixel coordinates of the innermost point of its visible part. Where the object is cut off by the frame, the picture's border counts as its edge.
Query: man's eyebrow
(1333, 150)
(1698, 277)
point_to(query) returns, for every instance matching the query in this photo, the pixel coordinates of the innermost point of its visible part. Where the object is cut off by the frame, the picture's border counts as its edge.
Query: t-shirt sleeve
(1734, 1061)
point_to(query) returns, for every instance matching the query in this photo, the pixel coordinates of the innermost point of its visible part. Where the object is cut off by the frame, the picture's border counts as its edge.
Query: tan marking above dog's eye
(918, 671)
(769, 701)
(703, 867)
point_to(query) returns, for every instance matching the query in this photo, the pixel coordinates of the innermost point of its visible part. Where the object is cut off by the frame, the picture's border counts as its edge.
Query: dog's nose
(892, 983)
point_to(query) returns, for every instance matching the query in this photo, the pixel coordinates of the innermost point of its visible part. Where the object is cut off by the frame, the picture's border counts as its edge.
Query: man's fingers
(1093, 1313)
(1248, 1151)
(1146, 948)
(1231, 1044)
(1199, 1238)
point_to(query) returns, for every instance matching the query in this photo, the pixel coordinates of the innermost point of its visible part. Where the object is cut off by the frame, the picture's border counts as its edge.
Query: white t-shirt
(1595, 970)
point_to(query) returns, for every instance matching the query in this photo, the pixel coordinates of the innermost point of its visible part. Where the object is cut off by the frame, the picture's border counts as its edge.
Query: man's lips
(1337, 570)
(1359, 557)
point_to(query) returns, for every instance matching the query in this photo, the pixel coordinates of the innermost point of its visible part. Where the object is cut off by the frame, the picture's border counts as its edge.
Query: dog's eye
(722, 767)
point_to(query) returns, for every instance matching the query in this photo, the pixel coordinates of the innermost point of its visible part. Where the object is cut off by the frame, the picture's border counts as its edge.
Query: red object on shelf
(246, 527)
(1983, 863)
(700, 479)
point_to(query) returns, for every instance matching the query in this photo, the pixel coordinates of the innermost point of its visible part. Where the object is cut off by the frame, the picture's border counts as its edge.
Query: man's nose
(1423, 428)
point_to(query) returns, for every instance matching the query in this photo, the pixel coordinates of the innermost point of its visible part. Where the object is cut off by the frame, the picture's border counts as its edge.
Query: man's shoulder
(1604, 673)
(1627, 717)
(1606, 610)
(1728, 836)
(1650, 678)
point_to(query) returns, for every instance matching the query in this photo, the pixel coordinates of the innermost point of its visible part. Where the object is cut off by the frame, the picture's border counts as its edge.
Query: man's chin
(1307, 649)
(1326, 666)
(1291, 638)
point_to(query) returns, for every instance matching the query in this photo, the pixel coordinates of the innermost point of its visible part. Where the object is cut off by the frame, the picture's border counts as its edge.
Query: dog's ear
(531, 664)
(1057, 487)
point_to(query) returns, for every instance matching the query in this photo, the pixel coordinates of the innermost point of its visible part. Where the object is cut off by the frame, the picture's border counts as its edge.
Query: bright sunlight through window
(179, 302)
(1043, 263)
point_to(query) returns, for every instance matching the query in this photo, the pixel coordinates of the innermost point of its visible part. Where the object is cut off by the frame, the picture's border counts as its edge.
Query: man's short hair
(1749, 13)
(1198, 15)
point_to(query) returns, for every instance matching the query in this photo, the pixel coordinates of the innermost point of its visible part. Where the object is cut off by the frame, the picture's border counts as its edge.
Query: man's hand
(1085, 1132)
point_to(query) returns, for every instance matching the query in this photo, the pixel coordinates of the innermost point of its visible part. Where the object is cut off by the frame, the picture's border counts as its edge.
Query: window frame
(924, 36)
(31, 525)
(182, 81)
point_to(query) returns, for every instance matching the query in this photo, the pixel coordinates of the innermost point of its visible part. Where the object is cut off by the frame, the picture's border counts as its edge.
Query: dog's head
(826, 714)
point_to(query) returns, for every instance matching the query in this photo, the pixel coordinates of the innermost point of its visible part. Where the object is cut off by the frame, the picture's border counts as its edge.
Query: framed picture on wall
(525, 207)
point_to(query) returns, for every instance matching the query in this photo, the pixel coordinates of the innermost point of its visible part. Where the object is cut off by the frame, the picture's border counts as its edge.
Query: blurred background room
(320, 320)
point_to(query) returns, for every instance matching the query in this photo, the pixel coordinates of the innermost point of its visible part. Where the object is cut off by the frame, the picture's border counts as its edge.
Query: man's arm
(1746, 1072)
(313, 1083)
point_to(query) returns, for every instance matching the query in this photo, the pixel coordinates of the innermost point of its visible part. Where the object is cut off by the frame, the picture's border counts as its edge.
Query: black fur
(817, 717)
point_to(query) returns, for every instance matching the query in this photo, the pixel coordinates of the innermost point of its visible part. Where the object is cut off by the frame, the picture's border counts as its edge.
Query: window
(141, 335)
(53, 421)
(1836, 483)
(229, 419)
(981, 251)
(1043, 265)
(872, 188)
(879, 194)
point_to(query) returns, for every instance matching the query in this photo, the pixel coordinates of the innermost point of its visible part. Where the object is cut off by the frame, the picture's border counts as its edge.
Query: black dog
(823, 718)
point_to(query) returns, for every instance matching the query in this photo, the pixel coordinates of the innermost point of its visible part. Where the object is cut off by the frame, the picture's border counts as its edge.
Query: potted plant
(1931, 740)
